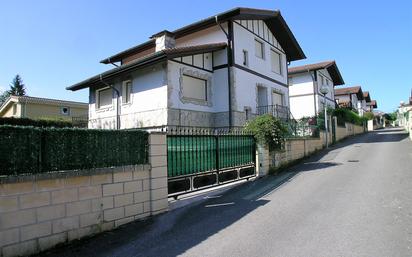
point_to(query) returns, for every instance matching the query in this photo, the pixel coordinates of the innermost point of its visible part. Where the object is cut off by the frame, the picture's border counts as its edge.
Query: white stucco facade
(305, 98)
(157, 98)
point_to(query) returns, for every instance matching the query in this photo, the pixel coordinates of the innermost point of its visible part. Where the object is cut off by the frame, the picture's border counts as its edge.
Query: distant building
(304, 84)
(42, 108)
(350, 97)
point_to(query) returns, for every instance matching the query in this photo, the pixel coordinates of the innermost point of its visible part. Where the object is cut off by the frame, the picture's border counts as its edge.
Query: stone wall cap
(68, 173)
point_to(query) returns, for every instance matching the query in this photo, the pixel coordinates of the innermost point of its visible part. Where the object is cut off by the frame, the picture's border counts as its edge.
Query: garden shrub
(267, 130)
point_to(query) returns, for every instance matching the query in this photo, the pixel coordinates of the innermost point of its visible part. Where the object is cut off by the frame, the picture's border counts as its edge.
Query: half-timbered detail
(204, 74)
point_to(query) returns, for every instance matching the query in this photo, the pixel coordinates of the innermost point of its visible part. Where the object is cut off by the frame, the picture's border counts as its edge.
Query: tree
(3, 96)
(17, 87)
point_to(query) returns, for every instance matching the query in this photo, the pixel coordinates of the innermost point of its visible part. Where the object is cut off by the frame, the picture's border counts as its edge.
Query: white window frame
(98, 98)
(280, 61)
(63, 113)
(206, 84)
(124, 92)
(282, 97)
(263, 49)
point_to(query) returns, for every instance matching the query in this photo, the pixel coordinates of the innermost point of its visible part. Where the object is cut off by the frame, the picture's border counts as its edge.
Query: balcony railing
(279, 111)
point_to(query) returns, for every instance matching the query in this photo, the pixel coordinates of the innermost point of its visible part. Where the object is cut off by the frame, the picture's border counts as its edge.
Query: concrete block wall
(296, 149)
(39, 211)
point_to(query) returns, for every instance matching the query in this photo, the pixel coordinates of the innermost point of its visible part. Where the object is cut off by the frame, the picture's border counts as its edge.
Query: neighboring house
(42, 108)
(350, 97)
(304, 85)
(217, 72)
(373, 104)
(404, 112)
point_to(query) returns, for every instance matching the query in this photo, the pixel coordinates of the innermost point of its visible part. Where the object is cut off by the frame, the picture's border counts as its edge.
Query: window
(194, 88)
(104, 97)
(14, 109)
(276, 61)
(248, 111)
(259, 49)
(245, 58)
(126, 92)
(65, 110)
(277, 98)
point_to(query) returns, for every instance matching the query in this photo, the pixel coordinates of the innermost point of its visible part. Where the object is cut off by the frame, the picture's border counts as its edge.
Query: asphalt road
(355, 200)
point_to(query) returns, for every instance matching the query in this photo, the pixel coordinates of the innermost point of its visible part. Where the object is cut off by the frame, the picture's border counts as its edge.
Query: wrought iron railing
(279, 111)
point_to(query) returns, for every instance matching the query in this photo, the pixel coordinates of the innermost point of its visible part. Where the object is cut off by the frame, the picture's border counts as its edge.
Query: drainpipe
(229, 64)
(117, 101)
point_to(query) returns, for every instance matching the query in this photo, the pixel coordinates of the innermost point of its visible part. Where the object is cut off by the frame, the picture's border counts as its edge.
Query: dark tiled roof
(373, 103)
(331, 67)
(367, 96)
(149, 59)
(348, 90)
(273, 20)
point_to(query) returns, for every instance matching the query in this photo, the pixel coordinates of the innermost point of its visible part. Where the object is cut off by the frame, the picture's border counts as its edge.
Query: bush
(267, 130)
(345, 115)
(368, 115)
(36, 123)
(33, 150)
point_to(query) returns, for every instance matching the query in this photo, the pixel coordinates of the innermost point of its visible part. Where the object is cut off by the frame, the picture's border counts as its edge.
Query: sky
(54, 44)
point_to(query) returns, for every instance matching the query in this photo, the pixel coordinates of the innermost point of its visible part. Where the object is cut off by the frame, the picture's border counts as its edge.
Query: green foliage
(17, 87)
(35, 150)
(368, 115)
(267, 130)
(3, 97)
(345, 115)
(391, 116)
(35, 123)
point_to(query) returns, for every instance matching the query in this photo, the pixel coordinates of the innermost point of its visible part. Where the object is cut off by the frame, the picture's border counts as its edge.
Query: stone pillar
(158, 173)
(262, 160)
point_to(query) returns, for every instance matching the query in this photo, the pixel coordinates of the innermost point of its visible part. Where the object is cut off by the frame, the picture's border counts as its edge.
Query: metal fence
(193, 154)
(279, 111)
(200, 158)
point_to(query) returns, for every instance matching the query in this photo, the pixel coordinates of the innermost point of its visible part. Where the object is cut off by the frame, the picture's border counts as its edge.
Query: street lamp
(324, 90)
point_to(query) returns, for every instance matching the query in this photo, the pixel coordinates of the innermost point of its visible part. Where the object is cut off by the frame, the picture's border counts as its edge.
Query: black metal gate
(199, 161)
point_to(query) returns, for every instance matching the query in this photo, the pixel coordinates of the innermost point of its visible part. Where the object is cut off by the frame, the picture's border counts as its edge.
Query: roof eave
(116, 71)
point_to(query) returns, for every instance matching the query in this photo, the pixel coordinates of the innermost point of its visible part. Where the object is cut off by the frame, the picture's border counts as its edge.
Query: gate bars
(200, 160)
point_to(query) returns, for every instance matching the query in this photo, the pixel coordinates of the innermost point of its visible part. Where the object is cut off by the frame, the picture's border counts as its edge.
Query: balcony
(279, 111)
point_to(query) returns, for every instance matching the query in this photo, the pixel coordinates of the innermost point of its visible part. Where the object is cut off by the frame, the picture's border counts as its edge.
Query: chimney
(164, 40)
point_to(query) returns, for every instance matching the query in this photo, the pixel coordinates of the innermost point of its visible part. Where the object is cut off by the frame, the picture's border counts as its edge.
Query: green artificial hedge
(35, 150)
(35, 123)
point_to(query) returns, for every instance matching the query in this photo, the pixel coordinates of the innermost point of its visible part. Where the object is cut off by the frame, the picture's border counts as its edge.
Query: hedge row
(345, 115)
(36, 123)
(35, 150)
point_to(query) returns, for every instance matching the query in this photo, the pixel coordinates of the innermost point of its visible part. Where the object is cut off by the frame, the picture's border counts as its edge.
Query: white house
(368, 105)
(217, 72)
(304, 84)
(350, 97)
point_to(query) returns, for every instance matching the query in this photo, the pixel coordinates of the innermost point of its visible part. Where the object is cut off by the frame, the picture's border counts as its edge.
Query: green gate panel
(192, 154)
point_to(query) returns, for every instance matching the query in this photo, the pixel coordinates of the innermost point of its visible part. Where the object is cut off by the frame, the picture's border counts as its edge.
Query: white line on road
(218, 204)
